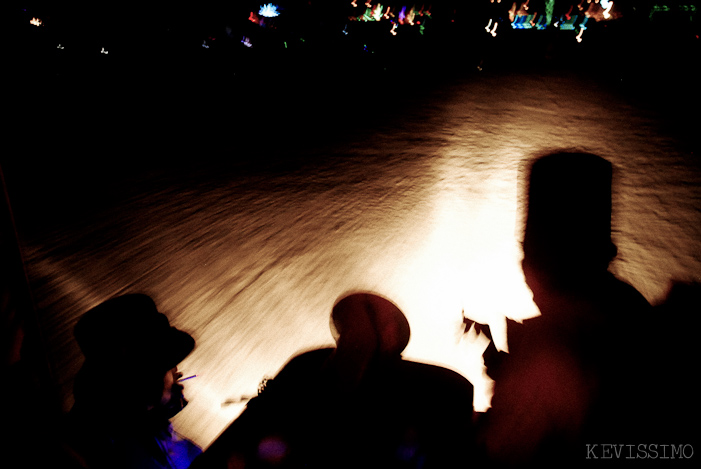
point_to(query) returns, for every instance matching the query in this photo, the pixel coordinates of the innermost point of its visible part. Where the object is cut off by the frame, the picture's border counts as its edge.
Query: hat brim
(178, 346)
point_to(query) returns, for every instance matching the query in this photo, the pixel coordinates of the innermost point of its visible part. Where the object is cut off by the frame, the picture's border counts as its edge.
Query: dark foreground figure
(119, 423)
(581, 373)
(359, 405)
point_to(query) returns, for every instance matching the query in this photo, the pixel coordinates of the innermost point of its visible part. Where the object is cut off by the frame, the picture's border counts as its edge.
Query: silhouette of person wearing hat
(124, 423)
(574, 374)
(359, 404)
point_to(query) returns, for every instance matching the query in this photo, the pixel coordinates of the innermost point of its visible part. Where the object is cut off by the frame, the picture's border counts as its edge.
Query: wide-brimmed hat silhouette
(129, 330)
(372, 320)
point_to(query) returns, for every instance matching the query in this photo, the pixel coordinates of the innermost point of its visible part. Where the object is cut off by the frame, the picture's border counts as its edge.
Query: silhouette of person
(128, 389)
(574, 374)
(677, 412)
(359, 404)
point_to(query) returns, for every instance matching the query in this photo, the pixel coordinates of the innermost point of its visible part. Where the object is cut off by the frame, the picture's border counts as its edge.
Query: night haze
(248, 163)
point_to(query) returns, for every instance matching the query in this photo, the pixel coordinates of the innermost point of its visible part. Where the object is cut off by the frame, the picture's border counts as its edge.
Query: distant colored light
(246, 42)
(410, 16)
(103, 51)
(36, 22)
(59, 46)
(268, 10)
(377, 12)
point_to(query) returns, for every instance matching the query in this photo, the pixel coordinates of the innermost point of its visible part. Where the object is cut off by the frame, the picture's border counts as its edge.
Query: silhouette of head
(568, 220)
(370, 323)
(128, 334)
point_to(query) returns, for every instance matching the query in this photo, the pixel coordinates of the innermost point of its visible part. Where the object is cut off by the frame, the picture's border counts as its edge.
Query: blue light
(268, 10)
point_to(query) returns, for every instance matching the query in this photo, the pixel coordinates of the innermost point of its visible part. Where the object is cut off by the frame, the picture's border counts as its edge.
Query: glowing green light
(549, 9)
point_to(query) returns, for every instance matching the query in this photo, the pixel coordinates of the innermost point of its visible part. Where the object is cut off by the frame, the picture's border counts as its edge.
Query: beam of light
(36, 22)
(206, 398)
(268, 10)
(467, 264)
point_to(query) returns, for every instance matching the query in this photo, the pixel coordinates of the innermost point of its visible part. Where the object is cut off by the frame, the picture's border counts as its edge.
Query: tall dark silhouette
(674, 337)
(359, 404)
(573, 375)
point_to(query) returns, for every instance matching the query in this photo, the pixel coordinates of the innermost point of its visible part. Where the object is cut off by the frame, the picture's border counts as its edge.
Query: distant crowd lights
(520, 15)
(377, 12)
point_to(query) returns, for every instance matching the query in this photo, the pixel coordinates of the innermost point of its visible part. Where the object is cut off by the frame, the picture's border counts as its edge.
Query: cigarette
(186, 378)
